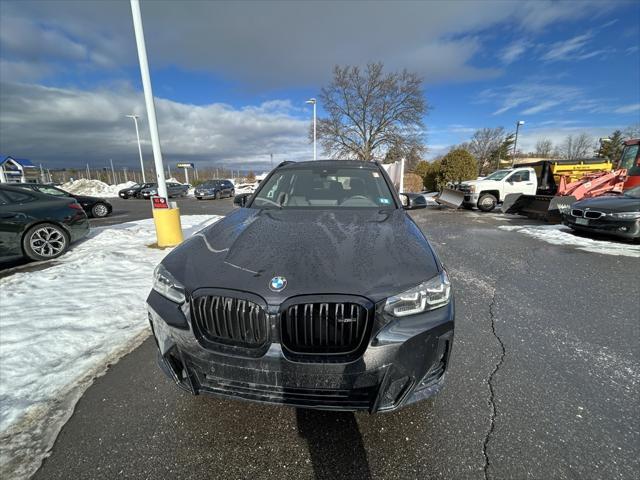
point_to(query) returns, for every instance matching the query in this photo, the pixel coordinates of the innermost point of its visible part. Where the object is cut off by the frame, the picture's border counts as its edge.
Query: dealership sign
(185, 165)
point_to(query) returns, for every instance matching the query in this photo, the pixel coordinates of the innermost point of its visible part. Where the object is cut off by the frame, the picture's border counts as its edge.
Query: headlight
(429, 295)
(472, 189)
(626, 215)
(167, 286)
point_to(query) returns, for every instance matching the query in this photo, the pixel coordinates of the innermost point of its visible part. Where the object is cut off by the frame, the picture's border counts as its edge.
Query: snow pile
(245, 188)
(94, 188)
(62, 325)
(561, 235)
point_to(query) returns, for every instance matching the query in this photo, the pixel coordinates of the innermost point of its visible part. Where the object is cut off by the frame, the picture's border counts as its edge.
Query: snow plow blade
(450, 198)
(540, 207)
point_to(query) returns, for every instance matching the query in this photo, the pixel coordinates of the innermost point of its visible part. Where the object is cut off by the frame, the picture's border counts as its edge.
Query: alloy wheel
(100, 210)
(47, 241)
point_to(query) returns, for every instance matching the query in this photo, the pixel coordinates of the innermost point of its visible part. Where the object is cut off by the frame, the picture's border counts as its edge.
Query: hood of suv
(371, 253)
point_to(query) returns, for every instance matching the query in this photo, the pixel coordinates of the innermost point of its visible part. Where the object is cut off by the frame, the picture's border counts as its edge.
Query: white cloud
(514, 51)
(532, 97)
(277, 44)
(634, 107)
(71, 126)
(566, 49)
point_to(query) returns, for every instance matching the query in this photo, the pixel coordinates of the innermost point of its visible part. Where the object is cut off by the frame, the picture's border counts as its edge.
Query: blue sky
(231, 78)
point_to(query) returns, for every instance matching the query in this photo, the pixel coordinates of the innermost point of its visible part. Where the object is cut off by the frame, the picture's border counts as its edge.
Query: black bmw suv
(319, 292)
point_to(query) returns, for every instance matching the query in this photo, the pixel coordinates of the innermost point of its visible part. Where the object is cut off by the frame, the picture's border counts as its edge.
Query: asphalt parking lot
(544, 383)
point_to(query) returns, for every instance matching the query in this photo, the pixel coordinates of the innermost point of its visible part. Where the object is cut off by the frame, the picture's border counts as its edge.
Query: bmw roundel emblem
(277, 284)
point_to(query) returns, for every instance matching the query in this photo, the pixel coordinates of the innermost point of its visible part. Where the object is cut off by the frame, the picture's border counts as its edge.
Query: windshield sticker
(375, 174)
(384, 201)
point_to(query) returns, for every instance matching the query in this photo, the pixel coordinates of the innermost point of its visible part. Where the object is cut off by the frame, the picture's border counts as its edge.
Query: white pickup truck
(487, 192)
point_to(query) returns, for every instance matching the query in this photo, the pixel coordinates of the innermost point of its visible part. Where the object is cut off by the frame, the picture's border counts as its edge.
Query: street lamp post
(148, 97)
(515, 143)
(313, 102)
(135, 122)
(113, 172)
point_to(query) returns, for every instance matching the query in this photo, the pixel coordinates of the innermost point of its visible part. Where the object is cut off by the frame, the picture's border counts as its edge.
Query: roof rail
(286, 162)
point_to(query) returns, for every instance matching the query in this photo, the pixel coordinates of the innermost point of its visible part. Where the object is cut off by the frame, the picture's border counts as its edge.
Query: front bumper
(470, 199)
(205, 195)
(627, 229)
(405, 361)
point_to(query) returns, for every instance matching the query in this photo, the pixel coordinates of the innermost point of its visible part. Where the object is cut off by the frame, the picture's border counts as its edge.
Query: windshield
(629, 155)
(498, 175)
(633, 192)
(352, 187)
(210, 183)
(53, 191)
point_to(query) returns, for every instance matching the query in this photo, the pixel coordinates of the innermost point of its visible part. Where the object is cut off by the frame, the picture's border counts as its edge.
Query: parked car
(320, 292)
(617, 215)
(37, 225)
(134, 190)
(214, 189)
(173, 190)
(94, 206)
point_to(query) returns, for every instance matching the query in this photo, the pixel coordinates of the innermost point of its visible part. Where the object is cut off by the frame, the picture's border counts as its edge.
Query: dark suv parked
(94, 206)
(214, 189)
(320, 292)
(36, 225)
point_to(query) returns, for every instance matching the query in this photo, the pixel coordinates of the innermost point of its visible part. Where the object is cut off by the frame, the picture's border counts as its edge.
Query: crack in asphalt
(492, 403)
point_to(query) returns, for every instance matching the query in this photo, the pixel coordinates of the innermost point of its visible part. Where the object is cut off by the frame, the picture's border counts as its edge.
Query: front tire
(99, 210)
(232, 194)
(45, 242)
(487, 202)
(216, 196)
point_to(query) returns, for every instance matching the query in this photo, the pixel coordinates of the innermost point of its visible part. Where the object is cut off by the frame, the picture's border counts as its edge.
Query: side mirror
(412, 201)
(241, 200)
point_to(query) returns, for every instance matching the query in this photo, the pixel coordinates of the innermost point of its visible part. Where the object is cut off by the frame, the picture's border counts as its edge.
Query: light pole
(515, 143)
(313, 102)
(113, 172)
(148, 97)
(135, 122)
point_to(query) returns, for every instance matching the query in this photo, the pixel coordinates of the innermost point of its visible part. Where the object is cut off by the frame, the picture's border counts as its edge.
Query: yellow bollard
(168, 228)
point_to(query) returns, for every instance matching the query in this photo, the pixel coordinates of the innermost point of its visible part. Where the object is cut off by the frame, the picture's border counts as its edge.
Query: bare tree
(576, 147)
(371, 112)
(484, 143)
(632, 131)
(544, 148)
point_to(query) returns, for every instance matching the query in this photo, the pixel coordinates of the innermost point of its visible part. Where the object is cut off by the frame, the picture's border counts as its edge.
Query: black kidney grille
(323, 328)
(229, 320)
(593, 214)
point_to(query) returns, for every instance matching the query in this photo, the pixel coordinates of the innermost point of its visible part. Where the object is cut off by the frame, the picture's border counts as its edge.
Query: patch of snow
(561, 235)
(246, 188)
(94, 188)
(62, 325)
